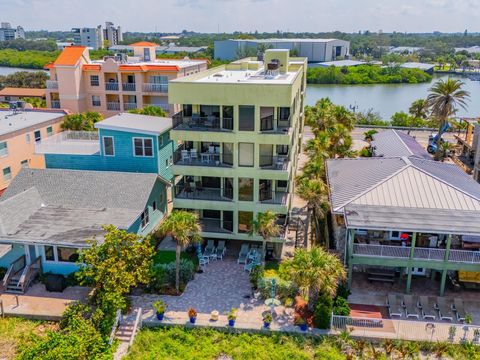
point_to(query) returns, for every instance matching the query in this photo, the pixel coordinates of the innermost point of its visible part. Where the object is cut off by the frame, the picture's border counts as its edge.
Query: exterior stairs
(125, 332)
(12, 287)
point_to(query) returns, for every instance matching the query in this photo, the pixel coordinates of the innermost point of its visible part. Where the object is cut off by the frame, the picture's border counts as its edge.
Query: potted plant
(267, 320)
(159, 306)
(299, 321)
(232, 316)
(192, 314)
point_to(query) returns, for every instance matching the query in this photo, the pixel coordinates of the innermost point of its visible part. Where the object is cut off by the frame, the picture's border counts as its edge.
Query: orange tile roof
(130, 68)
(149, 67)
(70, 56)
(49, 66)
(91, 67)
(144, 43)
(27, 92)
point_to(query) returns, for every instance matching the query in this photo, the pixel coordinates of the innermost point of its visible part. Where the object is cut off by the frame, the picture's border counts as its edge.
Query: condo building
(113, 35)
(8, 33)
(115, 83)
(239, 134)
(89, 37)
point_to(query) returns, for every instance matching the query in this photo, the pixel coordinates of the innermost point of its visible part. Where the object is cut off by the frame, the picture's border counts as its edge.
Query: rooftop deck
(70, 142)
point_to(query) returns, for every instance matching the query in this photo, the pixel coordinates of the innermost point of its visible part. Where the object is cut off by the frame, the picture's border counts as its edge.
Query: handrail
(29, 272)
(13, 269)
(114, 326)
(138, 320)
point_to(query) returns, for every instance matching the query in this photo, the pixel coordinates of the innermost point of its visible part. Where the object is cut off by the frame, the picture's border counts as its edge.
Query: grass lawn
(16, 333)
(205, 344)
(168, 256)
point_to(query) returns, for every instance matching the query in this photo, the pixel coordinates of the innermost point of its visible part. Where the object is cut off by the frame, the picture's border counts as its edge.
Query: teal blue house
(47, 215)
(124, 142)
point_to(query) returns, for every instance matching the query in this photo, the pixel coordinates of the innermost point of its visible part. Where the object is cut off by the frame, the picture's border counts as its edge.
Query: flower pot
(303, 327)
(160, 316)
(231, 322)
(266, 325)
(192, 320)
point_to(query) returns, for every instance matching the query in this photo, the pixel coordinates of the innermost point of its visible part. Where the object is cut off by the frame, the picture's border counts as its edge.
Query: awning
(441, 221)
(4, 249)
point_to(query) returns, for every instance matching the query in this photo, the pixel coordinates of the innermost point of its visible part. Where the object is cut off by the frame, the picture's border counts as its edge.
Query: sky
(247, 15)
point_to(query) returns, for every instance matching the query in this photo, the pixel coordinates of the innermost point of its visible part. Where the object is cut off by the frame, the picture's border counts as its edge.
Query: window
(49, 254)
(227, 117)
(154, 206)
(94, 81)
(37, 135)
(187, 110)
(65, 254)
(108, 146)
(266, 155)
(96, 100)
(245, 189)
(27, 138)
(160, 142)
(244, 221)
(24, 163)
(49, 131)
(3, 148)
(7, 174)
(143, 147)
(245, 154)
(144, 218)
(246, 118)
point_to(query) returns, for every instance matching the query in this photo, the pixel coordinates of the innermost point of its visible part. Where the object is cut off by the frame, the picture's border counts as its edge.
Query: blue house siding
(61, 268)
(12, 255)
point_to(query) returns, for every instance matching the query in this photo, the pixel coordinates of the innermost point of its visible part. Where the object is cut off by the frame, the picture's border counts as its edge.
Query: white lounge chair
(193, 154)
(220, 250)
(411, 309)
(394, 306)
(185, 155)
(459, 309)
(444, 311)
(428, 309)
(242, 256)
(209, 248)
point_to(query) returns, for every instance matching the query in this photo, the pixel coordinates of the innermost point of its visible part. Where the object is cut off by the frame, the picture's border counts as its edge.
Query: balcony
(128, 87)
(201, 123)
(216, 226)
(269, 125)
(113, 106)
(202, 193)
(129, 106)
(399, 252)
(55, 104)
(70, 142)
(192, 158)
(111, 86)
(273, 197)
(274, 162)
(155, 88)
(52, 84)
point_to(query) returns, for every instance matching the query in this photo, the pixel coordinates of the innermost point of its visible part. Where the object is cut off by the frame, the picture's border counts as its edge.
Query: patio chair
(193, 154)
(428, 309)
(459, 309)
(195, 119)
(411, 309)
(394, 306)
(209, 248)
(202, 260)
(220, 250)
(185, 155)
(444, 311)
(242, 256)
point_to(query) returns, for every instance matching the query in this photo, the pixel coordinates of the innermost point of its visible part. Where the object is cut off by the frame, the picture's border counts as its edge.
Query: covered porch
(394, 243)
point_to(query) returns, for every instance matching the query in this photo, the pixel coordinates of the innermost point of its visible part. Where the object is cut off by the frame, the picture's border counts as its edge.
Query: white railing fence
(137, 326)
(118, 318)
(69, 142)
(405, 330)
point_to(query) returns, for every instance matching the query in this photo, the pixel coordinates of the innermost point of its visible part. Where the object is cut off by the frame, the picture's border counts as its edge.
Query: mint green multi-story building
(240, 132)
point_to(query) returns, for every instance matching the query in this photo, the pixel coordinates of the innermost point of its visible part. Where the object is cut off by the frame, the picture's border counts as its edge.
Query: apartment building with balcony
(19, 132)
(239, 132)
(116, 83)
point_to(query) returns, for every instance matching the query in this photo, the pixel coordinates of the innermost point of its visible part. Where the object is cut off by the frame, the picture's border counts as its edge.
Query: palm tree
(419, 109)
(315, 271)
(265, 225)
(185, 229)
(444, 99)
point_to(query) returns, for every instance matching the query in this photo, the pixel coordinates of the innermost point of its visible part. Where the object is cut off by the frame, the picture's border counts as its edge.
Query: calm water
(387, 99)
(10, 70)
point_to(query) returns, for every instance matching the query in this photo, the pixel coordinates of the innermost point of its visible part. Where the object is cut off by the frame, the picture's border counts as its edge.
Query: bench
(381, 279)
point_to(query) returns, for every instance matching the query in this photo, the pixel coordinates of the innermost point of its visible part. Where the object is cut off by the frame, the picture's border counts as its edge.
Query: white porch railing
(115, 106)
(69, 142)
(405, 330)
(52, 84)
(435, 254)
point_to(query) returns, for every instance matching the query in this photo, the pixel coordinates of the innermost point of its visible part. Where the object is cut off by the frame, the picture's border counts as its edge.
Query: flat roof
(288, 40)
(180, 63)
(145, 124)
(13, 91)
(246, 77)
(417, 65)
(10, 122)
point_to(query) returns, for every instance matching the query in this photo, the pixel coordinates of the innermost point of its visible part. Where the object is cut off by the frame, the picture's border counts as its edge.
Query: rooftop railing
(70, 142)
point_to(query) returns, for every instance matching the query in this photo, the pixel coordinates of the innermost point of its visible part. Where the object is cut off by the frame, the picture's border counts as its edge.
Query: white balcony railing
(111, 86)
(55, 104)
(435, 254)
(157, 88)
(129, 106)
(128, 86)
(69, 142)
(52, 84)
(113, 106)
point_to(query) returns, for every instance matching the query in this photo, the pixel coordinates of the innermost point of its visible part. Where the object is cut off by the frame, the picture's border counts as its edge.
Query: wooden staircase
(124, 330)
(20, 275)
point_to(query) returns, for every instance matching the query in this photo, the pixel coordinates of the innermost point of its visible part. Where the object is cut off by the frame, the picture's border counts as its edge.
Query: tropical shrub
(256, 273)
(164, 274)
(322, 314)
(284, 289)
(341, 307)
